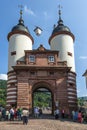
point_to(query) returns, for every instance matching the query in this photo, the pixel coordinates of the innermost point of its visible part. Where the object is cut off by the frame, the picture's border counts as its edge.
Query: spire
(21, 21)
(60, 21)
(60, 12)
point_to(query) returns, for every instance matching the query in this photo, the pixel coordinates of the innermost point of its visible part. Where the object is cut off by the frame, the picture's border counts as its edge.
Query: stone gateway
(32, 69)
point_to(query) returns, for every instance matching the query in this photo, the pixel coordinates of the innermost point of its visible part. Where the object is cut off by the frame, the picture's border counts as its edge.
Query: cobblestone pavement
(42, 124)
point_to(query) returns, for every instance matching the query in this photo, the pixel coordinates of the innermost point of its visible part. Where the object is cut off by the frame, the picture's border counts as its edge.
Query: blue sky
(44, 13)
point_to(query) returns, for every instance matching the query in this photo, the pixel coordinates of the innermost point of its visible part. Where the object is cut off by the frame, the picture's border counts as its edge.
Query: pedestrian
(36, 112)
(25, 114)
(12, 114)
(80, 117)
(40, 111)
(76, 115)
(7, 113)
(9, 116)
(63, 113)
(73, 115)
(56, 113)
(4, 114)
(0, 115)
(19, 113)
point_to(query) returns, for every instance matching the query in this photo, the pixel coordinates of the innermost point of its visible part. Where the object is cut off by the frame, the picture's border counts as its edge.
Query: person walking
(12, 114)
(0, 115)
(56, 113)
(25, 114)
(80, 117)
(73, 115)
(63, 113)
(36, 112)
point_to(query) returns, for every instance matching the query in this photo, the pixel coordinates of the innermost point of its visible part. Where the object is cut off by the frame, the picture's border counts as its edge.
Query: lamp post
(85, 75)
(38, 31)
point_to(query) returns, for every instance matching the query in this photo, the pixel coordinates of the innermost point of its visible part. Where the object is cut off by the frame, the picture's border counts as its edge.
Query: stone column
(23, 93)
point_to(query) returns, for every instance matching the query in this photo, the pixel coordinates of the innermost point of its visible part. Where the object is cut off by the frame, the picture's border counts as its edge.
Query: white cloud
(28, 11)
(83, 57)
(85, 95)
(3, 76)
(46, 16)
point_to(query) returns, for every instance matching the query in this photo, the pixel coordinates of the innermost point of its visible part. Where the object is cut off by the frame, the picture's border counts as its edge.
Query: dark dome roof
(60, 27)
(20, 26)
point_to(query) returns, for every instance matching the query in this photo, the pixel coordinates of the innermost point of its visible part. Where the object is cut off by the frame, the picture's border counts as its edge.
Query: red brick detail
(61, 32)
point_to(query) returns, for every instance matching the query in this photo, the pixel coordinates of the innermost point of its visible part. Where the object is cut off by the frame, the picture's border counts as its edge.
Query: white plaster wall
(11, 93)
(11, 100)
(10, 89)
(18, 43)
(64, 43)
(11, 97)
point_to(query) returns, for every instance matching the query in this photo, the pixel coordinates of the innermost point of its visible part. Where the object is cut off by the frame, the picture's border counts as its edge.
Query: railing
(58, 64)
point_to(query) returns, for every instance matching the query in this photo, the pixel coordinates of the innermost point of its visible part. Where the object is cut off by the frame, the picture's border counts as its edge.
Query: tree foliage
(80, 102)
(3, 87)
(42, 99)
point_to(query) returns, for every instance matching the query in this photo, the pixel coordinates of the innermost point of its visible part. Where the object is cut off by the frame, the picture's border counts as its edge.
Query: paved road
(42, 124)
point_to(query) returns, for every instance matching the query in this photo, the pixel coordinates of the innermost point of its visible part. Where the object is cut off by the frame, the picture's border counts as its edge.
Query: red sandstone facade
(54, 75)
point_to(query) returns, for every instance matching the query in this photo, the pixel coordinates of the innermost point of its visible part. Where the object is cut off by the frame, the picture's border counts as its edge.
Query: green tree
(80, 102)
(42, 99)
(3, 87)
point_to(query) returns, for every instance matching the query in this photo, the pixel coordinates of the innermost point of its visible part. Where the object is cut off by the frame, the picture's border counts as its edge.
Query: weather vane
(60, 7)
(21, 7)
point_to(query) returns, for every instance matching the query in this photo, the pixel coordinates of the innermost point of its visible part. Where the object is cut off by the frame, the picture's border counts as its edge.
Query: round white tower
(19, 40)
(63, 40)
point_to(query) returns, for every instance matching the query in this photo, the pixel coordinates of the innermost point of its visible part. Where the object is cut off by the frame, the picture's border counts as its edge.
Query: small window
(13, 53)
(69, 53)
(32, 73)
(32, 58)
(51, 73)
(51, 58)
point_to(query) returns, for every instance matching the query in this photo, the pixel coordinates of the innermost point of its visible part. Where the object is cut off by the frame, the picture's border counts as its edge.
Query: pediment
(41, 48)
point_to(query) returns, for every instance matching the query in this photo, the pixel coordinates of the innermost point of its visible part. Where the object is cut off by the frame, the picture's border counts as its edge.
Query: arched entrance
(42, 97)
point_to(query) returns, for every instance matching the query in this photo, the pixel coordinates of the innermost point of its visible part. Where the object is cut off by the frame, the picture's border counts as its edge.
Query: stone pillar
(23, 93)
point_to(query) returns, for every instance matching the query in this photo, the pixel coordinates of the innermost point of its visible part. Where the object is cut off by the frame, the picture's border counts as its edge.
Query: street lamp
(38, 31)
(85, 74)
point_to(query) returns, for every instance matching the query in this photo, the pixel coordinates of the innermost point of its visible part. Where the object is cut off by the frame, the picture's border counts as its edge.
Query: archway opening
(42, 99)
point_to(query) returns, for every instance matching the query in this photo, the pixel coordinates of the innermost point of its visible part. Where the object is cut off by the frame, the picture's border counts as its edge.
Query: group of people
(77, 116)
(10, 113)
(37, 112)
(23, 114)
(14, 114)
(57, 113)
